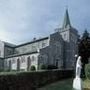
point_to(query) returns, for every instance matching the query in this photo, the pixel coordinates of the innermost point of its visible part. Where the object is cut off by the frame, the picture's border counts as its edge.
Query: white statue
(77, 82)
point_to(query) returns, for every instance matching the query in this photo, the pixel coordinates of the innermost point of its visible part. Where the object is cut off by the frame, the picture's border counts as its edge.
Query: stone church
(58, 49)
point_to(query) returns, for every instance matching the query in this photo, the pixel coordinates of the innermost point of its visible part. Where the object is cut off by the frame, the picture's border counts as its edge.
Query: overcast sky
(22, 20)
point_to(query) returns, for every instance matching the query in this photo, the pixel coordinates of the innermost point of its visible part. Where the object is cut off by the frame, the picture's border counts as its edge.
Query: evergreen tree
(84, 50)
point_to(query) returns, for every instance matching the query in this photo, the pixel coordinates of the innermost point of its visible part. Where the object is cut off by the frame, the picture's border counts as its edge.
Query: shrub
(6, 70)
(52, 67)
(33, 68)
(1, 70)
(13, 71)
(87, 71)
(22, 70)
(42, 67)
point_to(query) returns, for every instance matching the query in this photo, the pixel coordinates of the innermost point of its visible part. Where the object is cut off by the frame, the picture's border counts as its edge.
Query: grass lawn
(65, 85)
(60, 85)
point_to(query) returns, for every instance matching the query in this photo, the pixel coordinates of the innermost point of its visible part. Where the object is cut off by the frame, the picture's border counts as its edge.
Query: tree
(84, 50)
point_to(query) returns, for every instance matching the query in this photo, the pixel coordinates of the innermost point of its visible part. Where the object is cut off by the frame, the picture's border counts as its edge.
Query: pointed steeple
(66, 22)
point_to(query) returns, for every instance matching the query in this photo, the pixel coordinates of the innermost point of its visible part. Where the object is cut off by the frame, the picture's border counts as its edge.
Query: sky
(23, 20)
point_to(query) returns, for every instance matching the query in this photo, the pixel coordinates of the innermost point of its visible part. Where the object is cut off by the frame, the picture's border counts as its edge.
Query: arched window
(65, 36)
(28, 63)
(22, 59)
(13, 61)
(18, 64)
(9, 64)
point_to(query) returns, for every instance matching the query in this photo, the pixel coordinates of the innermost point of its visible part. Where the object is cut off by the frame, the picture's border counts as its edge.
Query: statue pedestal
(77, 84)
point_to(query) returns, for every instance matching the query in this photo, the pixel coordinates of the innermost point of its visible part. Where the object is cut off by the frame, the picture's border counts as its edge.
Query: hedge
(87, 71)
(32, 80)
(33, 68)
(50, 67)
(42, 67)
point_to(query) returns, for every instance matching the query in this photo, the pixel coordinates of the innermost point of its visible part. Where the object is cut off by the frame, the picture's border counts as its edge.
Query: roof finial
(66, 7)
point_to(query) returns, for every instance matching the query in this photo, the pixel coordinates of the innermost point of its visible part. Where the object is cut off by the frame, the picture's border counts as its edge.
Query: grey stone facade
(57, 49)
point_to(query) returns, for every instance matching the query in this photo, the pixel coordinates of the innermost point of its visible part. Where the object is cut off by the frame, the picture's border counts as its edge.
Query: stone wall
(49, 54)
(8, 51)
(1, 49)
(23, 60)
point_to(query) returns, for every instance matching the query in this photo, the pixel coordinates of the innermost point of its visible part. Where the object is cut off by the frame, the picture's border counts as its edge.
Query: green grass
(65, 85)
(60, 85)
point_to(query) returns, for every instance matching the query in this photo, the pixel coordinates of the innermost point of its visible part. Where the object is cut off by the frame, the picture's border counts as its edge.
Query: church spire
(66, 22)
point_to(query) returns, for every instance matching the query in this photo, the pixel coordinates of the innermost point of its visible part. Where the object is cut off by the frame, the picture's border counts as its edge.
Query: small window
(29, 60)
(65, 36)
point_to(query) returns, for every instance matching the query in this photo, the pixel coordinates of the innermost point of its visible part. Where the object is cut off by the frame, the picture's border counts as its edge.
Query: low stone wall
(32, 80)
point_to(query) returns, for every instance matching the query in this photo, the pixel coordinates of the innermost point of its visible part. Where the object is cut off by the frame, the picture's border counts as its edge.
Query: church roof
(66, 22)
(37, 40)
(9, 44)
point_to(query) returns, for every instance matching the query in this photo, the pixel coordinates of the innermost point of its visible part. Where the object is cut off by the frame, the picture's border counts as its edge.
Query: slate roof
(32, 42)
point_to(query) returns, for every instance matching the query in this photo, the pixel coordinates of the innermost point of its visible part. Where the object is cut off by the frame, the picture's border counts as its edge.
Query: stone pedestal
(77, 84)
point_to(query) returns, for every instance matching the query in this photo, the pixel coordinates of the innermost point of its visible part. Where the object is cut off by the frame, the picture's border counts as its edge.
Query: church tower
(70, 37)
